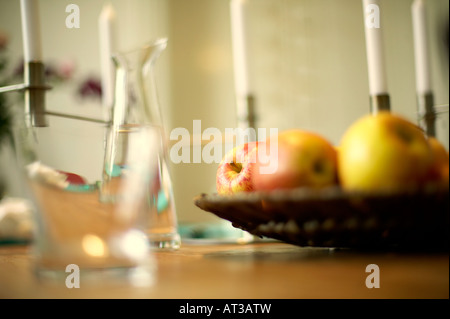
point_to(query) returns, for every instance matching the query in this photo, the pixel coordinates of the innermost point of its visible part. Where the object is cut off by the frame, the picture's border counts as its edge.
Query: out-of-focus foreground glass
(100, 193)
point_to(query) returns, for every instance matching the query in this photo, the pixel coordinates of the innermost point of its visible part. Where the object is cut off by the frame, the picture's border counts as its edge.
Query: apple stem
(236, 167)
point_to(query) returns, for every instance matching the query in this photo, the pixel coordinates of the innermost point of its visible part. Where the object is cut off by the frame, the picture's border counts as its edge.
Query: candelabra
(34, 87)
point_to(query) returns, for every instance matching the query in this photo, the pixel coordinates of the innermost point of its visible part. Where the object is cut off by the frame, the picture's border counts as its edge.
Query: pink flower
(65, 69)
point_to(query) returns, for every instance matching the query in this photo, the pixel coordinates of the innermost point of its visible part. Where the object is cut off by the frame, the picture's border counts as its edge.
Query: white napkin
(48, 175)
(15, 219)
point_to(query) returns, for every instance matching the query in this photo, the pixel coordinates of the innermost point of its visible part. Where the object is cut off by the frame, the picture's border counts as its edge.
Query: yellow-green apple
(383, 153)
(439, 171)
(234, 174)
(304, 159)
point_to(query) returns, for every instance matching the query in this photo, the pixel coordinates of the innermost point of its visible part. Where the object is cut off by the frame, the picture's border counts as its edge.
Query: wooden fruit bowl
(416, 219)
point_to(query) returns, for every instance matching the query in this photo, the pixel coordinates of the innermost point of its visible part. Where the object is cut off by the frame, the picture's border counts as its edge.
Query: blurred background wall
(308, 68)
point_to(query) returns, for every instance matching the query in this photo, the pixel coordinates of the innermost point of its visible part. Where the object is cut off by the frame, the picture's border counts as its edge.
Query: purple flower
(61, 71)
(90, 88)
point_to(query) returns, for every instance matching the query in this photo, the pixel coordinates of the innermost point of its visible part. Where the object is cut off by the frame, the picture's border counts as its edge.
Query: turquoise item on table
(116, 171)
(162, 201)
(81, 188)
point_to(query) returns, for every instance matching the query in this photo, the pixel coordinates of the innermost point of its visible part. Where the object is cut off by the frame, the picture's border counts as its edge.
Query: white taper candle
(239, 46)
(31, 30)
(421, 50)
(375, 48)
(107, 34)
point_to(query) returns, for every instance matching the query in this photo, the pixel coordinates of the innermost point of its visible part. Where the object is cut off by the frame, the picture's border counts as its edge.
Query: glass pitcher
(76, 238)
(136, 105)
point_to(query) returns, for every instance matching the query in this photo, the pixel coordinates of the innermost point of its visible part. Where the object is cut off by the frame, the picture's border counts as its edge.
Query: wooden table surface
(259, 270)
(256, 271)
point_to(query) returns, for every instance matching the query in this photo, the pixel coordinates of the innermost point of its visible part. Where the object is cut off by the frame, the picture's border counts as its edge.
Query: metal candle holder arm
(35, 87)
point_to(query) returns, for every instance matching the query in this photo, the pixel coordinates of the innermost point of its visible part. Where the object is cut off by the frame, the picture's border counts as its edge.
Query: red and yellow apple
(234, 174)
(439, 170)
(383, 153)
(303, 159)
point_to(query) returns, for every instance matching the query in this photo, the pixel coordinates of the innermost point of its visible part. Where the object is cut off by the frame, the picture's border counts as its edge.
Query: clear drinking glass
(136, 105)
(16, 206)
(74, 232)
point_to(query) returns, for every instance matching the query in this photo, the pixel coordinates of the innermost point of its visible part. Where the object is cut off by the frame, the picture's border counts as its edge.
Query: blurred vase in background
(136, 105)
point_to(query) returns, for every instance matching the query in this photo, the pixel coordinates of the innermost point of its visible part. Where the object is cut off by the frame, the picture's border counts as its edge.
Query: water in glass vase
(136, 106)
(157, 205)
